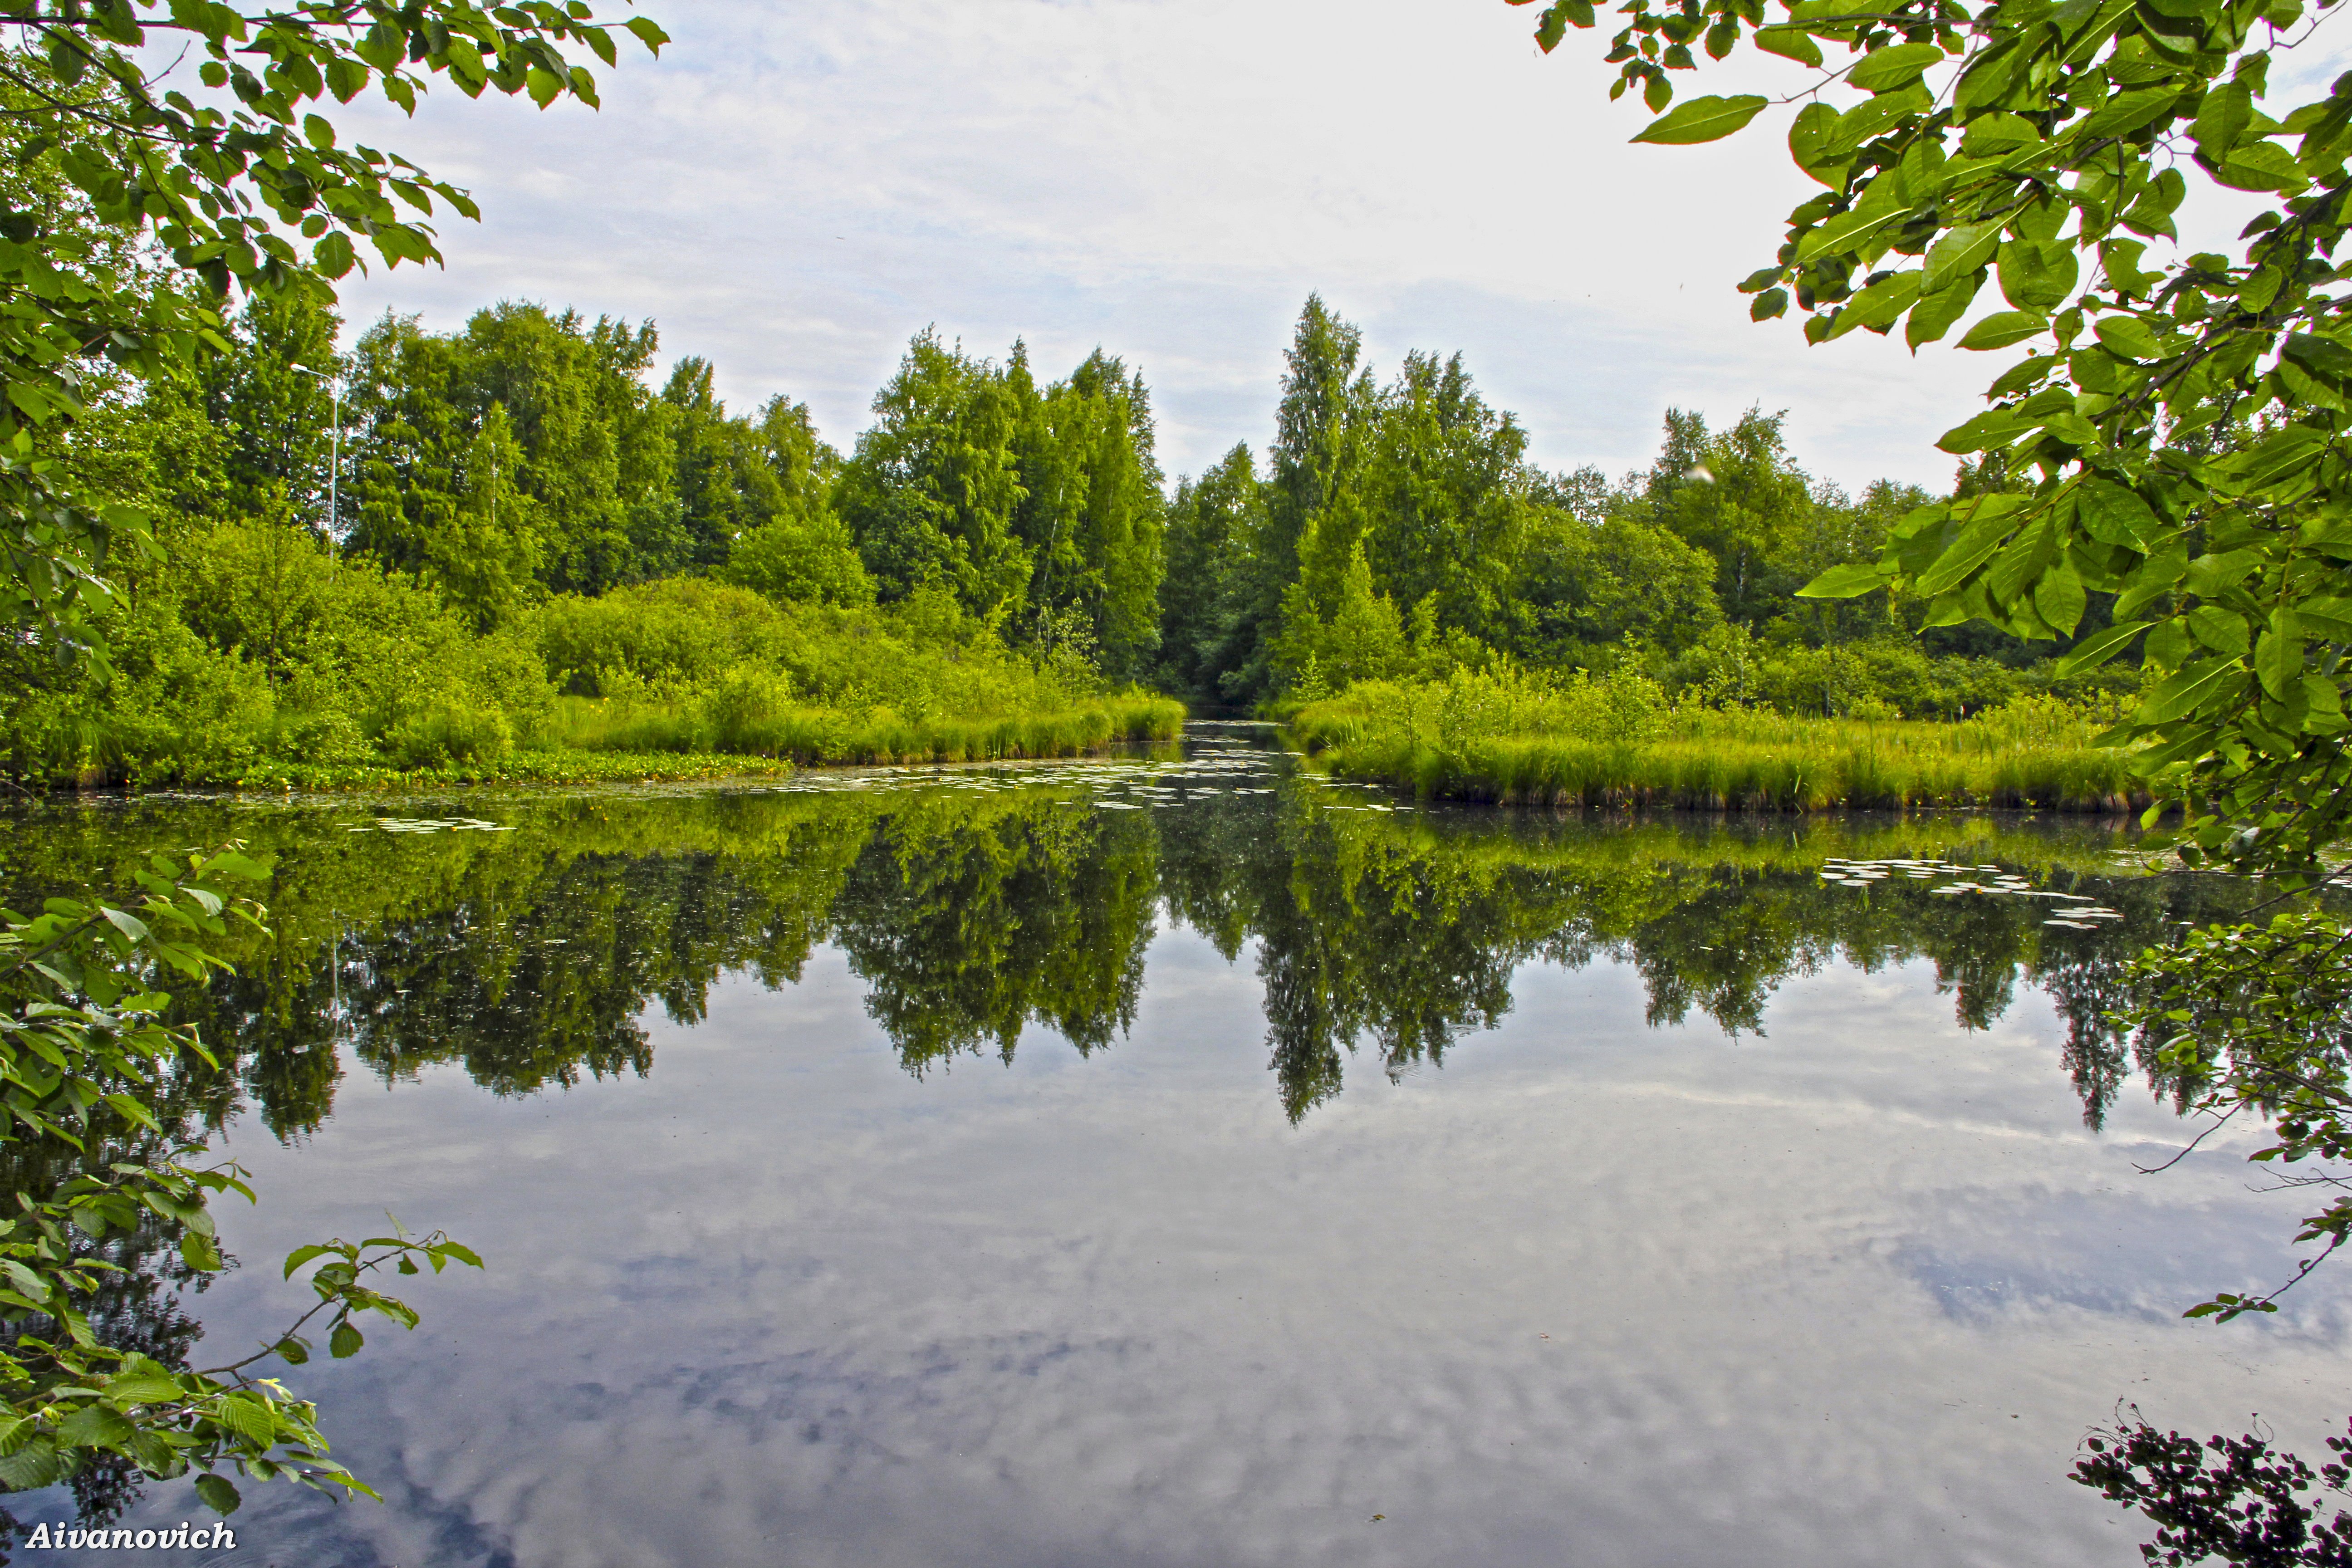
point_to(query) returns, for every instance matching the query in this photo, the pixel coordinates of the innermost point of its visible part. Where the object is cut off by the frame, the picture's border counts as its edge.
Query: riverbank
(642, 747)
(2039, 758)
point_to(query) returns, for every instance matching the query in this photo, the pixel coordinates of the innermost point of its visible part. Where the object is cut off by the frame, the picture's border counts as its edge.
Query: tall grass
(257, 656)
(1509, 737)
(834, 736)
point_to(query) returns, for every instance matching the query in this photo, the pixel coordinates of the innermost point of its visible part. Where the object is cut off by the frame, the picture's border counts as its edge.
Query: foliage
(1021, 503)
(133, 214)
(2245, 1508)
(1613, 740)
(218, 189)
(258, 654)
(2183, 420)
(83, 1047)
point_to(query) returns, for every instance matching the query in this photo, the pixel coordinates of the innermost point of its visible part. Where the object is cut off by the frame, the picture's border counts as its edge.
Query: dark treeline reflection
(974, 906)
(973, 909)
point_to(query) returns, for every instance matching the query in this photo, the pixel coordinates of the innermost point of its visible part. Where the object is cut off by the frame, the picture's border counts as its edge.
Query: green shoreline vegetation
(1619, 743)
(522, 559)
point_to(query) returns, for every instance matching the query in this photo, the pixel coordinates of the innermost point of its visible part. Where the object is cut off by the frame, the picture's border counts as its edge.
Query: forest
(523, 550)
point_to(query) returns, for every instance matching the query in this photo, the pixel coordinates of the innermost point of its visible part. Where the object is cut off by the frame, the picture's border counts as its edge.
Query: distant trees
(1400, 527)
(1391, 527)
(1030, 505)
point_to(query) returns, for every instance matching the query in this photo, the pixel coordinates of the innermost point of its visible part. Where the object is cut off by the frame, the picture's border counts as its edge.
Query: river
(1186, 1161)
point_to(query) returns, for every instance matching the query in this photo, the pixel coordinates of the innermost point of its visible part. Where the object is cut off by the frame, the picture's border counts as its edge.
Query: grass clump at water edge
(1511, 737)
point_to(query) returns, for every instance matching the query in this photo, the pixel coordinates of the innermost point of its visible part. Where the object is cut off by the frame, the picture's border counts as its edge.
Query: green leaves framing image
(2177, 434)
(164, 160)
(2176, 437)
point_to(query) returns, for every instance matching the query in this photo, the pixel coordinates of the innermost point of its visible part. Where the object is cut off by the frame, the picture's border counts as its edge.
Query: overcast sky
(795, 188)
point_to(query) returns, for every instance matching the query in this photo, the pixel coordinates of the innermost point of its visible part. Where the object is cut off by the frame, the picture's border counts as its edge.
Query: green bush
(256, 652)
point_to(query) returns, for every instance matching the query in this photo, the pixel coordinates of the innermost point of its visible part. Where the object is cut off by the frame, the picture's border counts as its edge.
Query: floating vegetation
(2084, 913)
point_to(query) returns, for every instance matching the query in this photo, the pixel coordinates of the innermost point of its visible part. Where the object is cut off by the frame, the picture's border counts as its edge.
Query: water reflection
(974, 906)
(992, 917)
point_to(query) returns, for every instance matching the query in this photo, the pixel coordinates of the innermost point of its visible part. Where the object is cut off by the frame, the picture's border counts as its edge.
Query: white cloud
(792, 190)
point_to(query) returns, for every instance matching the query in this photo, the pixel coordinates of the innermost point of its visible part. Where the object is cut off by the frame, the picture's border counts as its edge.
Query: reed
(2034, 754)
(838, 737)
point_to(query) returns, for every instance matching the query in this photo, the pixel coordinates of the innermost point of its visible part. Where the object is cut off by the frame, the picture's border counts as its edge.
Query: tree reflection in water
(531, 957)
(976, 907)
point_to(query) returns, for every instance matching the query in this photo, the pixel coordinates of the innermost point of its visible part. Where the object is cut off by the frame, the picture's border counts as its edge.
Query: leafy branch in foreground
(2247, 1507)
(2179, 436)
(128, 211)
(2180, 430)
(82, 1051)
(253, 189)
(2257, 1020)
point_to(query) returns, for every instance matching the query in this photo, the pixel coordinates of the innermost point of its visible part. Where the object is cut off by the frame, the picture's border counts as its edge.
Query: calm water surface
(1183, 1161)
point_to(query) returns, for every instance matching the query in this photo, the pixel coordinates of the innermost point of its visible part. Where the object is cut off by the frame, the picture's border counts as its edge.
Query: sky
(792, 190)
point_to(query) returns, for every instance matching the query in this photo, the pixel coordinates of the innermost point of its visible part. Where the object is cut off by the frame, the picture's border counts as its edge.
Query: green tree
(1741, 498)
(1214, 523)
(932, 491)
(1091, 511)
(1584, 585)
(270, 399)
(438, 481)
(1323, 400)
(1436, 495)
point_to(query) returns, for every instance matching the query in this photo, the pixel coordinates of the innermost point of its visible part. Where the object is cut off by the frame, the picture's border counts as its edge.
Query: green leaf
(217, 1494)
(1933, 316)
(1812, 136)
(1959, 252)
(2284, 455)
(2059, 599)
(2223, 631)
(36, 1464)
(2127, 111)
(1883, 70)
(1845, 582)
(93, 1426)
(2003, 328)
(1790, 43)
(1702, 120)
(2321, 357)
(2278, 657)
(148, 1388)
(2038, 274)
(2100, 647)
(2208, 684)
(346, 1341)
(1994, 427)
(2128, 336)
(2222, 119)
(2114, 515)
(1978, 539)
(2261, 166)
(2329, 616)
(302, 1255)
(248, 1418)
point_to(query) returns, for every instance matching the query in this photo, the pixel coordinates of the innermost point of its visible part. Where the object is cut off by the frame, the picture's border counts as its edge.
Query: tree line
(1390, 528)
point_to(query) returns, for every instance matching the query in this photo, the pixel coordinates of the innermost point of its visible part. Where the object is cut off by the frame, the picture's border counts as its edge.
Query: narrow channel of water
(1185, 1160)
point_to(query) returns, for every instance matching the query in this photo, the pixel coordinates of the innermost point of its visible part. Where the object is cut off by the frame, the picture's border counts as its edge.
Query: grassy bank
(1611, 743)
(654, 746)
(319, 672)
